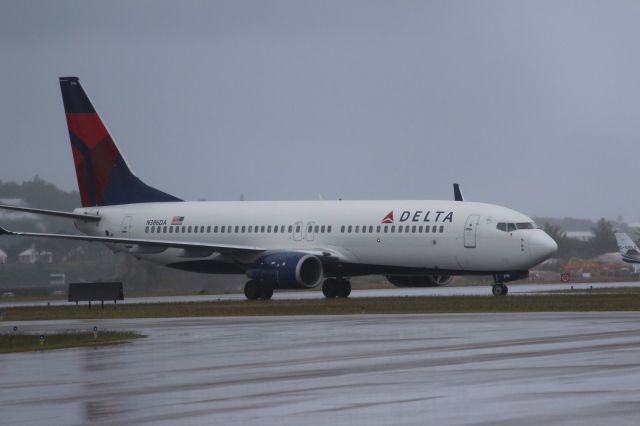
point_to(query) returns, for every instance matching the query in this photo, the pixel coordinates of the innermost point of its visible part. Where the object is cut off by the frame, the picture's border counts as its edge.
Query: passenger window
(400, 229)
(209, 229)
(364, 229)
(146, 229)
(282, 229)
(290, 228)
(329, 229)
(370, 228)
(222, 229)
(184, 229)
(393, 228)
(158, 229)
(236, 229)
(215, 229)
(502, 226)
(406, 228)
(420, 228)
(322, 229)
(342, 228)
(243, 229)
(262, 228)
(310, 229)
(201, 229)
(413, 228)
(511, 227)
(386, 228)
(426, 229)
(297, 228)
(269, 228)
(153, 229)
(275, 228)
(441, 228)
(434, 229)
(171, 229)
(357, 228)
(378, 229)
(195, 229)
(349, 229)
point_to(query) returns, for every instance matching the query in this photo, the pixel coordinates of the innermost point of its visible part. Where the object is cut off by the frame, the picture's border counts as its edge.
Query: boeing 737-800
(283, 245)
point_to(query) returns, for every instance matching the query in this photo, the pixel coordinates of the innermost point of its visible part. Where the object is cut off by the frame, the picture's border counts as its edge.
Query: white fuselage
(458, 237)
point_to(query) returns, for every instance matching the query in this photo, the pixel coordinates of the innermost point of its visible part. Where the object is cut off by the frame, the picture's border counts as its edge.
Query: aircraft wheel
(499, 289)
(330, 288)
(344, 288)
(252, 290)
(266, 292)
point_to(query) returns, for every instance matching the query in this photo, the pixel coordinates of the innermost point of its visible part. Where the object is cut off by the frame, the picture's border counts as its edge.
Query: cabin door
(126, 226)
(470, 231)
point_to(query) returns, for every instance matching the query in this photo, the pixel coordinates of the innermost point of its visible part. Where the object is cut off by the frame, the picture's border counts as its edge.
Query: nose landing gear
(500, 289)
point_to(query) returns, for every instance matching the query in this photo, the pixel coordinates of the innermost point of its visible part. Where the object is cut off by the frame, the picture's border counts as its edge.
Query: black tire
(344, 288)
(506, 290)
(266, 292)
(252, 290)
(499, 290)
(330, 288)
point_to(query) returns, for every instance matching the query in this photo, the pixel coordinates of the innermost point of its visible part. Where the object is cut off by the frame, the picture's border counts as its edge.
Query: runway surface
(474, 369)
(317, 294)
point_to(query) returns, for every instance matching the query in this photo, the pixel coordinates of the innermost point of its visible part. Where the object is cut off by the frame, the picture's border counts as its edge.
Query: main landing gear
(336, 287)
(500, 289)
(255, 290)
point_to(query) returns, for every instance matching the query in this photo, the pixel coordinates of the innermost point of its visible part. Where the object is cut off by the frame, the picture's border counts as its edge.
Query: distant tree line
(603, 241)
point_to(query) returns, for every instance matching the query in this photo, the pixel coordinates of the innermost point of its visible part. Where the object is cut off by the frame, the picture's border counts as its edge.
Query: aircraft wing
(144, 245)
(68, 215)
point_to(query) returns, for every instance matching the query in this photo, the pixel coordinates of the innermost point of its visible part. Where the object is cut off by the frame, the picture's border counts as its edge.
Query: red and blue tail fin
(104, 178)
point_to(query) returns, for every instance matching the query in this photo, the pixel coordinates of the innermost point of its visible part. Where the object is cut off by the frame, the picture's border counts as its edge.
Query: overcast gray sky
(533, 105)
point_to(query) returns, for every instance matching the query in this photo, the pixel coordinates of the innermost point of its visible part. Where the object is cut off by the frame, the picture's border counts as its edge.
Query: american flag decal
(177, 220)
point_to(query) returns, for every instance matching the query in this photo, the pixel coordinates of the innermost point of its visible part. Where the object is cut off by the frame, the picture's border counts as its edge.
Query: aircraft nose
(541, 247)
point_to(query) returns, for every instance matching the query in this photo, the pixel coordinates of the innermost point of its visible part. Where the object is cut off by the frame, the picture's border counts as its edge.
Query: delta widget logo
(388, 218)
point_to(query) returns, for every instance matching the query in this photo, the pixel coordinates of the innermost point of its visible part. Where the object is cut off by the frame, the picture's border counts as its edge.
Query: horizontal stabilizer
(68, 215)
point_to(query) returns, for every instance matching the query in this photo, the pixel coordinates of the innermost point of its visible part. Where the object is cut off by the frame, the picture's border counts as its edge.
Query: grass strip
(622, 301)
(23, 342)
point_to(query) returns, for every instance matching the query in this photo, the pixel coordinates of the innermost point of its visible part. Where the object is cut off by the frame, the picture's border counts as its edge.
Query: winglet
(457, 194)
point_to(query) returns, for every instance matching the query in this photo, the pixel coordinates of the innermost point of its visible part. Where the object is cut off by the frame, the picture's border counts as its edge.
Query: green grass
(21, 342)
(613, 300)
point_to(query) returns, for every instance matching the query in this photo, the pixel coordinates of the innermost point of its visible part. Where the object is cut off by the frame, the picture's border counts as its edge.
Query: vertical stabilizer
(104, 178)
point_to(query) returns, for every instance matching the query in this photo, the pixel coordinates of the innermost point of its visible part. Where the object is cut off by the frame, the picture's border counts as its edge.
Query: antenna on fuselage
(457, 193)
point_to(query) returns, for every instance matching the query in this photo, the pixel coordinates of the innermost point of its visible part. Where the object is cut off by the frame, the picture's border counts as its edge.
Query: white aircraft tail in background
(628, 249)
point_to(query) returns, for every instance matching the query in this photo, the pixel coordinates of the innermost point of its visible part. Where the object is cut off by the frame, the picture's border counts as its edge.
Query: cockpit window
(525, 225)
(510, 227)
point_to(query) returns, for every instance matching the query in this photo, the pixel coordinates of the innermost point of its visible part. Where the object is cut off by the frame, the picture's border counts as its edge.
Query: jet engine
(419, 280)
(287, 270)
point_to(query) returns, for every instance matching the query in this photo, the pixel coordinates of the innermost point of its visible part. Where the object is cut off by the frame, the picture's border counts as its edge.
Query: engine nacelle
(287, 270)
(419, 280)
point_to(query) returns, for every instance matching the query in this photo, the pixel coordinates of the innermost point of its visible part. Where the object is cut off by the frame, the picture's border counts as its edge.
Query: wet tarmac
(514, 289)
(474, 369)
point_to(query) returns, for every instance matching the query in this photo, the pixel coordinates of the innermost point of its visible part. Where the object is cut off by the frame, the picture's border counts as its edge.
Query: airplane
(287, 244)
(628, 249)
